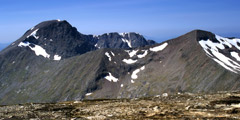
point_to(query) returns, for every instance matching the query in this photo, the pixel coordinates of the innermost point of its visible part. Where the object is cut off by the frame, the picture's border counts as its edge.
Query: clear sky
(156, 19)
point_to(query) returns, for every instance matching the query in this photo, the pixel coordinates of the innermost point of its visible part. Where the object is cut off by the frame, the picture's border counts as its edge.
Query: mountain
(54, 62)
(57, 39)
(121, 40)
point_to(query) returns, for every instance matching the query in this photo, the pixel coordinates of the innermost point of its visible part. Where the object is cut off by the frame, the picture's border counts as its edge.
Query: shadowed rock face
(56, 38)
(60, 38)
(121, 40)
(54, 62)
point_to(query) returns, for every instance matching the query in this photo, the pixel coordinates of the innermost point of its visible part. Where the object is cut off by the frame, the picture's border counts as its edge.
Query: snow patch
(135, 72)
(111, 78)
(224, 65)
(142, 68)
(34, 34)
(40, 51)
(108, 55)
(112, 53)
(214, 46)
(129, 61)
(23, 44)
(124, 40)
(128, 42)
(37, 49)
(88, 94)
(127, 51)
(32, 28)
(235, 55)
(228, 42)
(132, 81)
(96, 45)
(217, 56)
(57, 57)
(143, 55)
(122, 34)
(159, 48)
(132, 53)
(165, 94)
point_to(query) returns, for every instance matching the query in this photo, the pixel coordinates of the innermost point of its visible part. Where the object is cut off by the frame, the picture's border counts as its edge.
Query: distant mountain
(54, 62)
(121, 40)
(58, 39)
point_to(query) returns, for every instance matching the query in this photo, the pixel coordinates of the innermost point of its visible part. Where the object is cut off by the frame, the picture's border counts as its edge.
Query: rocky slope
(54, 62)
(181, 106)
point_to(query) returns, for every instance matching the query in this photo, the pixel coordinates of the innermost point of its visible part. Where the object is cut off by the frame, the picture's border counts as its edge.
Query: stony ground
(187, 106)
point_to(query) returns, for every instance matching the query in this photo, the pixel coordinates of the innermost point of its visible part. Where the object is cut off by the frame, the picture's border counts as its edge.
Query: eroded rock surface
(185, 106)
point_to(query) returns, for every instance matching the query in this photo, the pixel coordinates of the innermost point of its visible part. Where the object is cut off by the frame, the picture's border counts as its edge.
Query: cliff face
(121, 40)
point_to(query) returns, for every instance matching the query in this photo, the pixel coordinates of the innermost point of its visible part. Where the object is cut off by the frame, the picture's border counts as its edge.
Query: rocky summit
(53, 62)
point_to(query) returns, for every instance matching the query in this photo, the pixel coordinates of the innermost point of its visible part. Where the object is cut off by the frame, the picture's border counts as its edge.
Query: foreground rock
(185, 106)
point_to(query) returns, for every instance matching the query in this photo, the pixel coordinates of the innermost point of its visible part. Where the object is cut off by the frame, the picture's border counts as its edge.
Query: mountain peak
(50, 22)
(56, 38)
(198, 35)
(59, 39)
(48, 26)
(122, 40)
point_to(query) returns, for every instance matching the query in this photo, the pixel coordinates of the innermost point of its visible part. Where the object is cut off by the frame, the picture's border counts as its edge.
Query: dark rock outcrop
(122, 40)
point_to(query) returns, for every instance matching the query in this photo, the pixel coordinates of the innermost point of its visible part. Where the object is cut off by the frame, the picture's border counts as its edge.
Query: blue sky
(156, 19)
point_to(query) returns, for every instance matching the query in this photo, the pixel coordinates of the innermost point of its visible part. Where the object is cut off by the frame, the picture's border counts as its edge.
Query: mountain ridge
(60, 39)
(182, 64)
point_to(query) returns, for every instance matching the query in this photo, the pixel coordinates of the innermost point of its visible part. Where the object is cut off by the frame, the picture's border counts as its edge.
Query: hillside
(54, 62)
